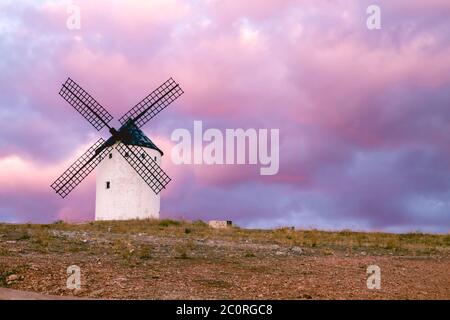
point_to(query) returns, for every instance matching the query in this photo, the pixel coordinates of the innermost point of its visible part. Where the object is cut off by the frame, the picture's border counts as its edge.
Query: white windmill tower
(131, 160)
(121, 193)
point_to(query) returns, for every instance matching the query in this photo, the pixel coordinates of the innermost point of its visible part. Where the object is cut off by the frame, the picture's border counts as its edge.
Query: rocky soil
(181, 260)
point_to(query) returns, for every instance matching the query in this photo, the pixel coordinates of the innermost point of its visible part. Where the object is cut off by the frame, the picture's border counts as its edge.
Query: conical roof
(132, 135)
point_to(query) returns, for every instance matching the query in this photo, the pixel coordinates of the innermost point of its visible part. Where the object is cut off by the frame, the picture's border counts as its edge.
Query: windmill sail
(79, 170)
(85, 104)
(154, 103)
(145, 166)
(131, 139)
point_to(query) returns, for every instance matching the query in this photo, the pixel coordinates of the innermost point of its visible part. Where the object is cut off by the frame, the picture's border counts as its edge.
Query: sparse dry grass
(41, 237)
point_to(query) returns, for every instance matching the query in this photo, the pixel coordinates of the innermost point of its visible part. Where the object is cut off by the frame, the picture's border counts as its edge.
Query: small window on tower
(155, 158)
(143, 156)
(110, 155)
(127, 154)
(108, 184)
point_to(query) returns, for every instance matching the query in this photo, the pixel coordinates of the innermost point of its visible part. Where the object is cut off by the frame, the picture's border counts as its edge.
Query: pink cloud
(344, 99)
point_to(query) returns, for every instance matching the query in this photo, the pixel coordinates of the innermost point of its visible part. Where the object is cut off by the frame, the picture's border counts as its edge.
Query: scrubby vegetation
(50, 237)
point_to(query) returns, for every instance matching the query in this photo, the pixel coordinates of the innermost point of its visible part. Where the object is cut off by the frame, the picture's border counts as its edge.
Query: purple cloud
(363, 115)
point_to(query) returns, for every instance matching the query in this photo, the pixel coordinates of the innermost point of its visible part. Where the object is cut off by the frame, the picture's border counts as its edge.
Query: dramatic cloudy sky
(364, 116)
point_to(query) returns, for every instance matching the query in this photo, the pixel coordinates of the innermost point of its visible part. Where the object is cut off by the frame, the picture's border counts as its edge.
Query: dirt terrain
(182, 260)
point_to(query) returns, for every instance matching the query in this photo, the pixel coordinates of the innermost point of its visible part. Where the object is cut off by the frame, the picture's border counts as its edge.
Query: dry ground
(179, 260)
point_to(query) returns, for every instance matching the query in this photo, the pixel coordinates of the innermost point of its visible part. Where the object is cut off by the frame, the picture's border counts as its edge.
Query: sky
(364, 115)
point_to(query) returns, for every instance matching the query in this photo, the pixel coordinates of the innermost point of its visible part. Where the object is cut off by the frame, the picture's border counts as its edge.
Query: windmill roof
(132, 135)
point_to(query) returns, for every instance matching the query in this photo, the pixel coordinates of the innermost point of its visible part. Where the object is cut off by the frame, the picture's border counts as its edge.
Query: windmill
(130, 178)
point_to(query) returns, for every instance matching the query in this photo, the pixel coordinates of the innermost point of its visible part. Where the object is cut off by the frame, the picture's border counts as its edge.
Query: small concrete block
(220, 224)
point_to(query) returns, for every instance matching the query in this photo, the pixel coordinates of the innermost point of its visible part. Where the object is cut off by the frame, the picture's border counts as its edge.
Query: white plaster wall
(128, 197)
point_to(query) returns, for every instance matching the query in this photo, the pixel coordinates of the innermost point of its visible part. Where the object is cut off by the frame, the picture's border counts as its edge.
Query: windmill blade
(154, 103)
(145, 166)
(85, 104)
(79, 170)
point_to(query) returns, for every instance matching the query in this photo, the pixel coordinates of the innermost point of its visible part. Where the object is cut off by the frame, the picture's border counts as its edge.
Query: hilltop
(167, 259)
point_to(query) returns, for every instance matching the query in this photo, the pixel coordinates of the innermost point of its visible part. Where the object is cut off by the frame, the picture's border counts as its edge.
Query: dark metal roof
(131, 135)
